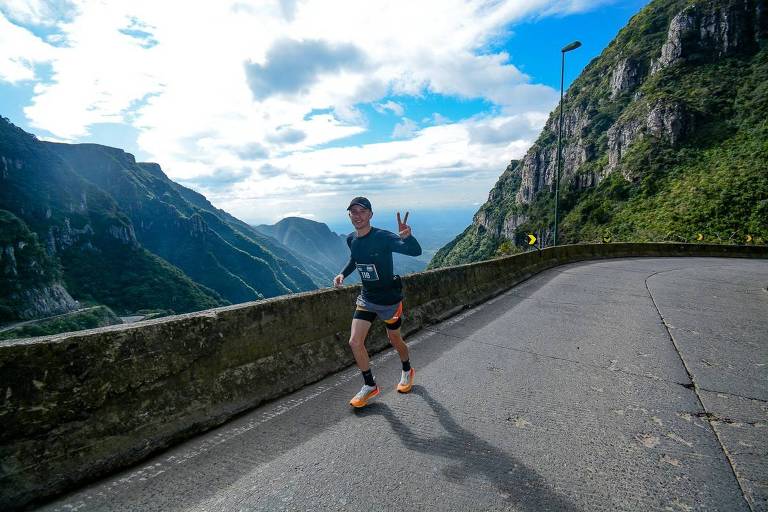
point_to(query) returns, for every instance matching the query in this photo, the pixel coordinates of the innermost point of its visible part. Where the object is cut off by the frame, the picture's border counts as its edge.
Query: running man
(371, 254)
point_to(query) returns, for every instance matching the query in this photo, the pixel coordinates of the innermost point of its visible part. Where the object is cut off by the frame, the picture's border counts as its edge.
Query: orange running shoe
(366, 393)
(406, 381)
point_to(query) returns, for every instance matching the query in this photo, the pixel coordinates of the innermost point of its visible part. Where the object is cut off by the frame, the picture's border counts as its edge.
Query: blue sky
(419, 104)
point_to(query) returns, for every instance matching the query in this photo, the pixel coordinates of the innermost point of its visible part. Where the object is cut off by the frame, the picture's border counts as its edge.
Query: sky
(292, 107)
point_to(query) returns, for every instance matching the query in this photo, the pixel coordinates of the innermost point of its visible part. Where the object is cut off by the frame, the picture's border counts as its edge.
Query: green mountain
(68, 236)
(280, 251)
(324, 251)
(215, 251)
(321, 250)
(665, 138)
(88, 221)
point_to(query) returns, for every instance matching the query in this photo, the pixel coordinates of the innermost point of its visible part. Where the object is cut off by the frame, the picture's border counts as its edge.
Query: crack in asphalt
(745, 397)
(714, 417)
(695, 388)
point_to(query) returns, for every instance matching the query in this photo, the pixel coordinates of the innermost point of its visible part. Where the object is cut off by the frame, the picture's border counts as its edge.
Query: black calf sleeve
(368, 378)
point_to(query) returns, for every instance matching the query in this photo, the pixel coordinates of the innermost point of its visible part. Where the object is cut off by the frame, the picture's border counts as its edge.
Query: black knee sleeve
(394, 325)
(368, 316)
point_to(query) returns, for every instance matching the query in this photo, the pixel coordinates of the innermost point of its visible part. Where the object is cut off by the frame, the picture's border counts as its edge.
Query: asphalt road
(633, 384)
(14, 325)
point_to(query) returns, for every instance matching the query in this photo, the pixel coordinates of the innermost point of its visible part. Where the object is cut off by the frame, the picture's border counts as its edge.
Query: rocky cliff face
(626, 76)
(41, 302)
(505, 192)
(667, 122)
(632, 93)
(28, 303)
(523, 180)
(30, 285)
(713, 29)
(539, 166)
(703, 31)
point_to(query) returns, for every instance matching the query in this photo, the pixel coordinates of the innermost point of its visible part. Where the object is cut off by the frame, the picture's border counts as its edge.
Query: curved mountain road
(632, 384)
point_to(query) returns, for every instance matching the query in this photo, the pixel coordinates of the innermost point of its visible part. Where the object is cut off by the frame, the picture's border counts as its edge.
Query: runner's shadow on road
(517, 484)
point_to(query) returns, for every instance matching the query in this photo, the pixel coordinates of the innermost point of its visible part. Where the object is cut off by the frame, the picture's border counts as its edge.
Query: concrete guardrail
(76, 406)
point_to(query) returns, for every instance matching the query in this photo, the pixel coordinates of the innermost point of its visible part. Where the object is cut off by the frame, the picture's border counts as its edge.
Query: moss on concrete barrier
(77, 406)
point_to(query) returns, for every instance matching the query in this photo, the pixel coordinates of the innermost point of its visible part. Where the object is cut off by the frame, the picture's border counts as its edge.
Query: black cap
(360, 201)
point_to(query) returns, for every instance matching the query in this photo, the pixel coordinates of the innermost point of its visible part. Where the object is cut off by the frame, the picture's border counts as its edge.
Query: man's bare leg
(357, 342)
(360, 330)
(396, 340)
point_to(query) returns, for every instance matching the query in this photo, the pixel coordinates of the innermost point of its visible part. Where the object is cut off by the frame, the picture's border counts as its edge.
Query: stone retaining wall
(74, 407)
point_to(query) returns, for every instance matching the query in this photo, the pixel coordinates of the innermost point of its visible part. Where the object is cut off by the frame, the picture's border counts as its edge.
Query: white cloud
(286, 135)
(502, 129)
(293, 66)
(231, 84)
(296, 213)
(34, 12)
(438, 118)
(252, 151)
(439, 165)
(20, 52)
(405, 129)
(390, 106)
(98, 76)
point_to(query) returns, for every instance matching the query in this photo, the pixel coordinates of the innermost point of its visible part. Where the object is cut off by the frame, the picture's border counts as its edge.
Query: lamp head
(571, 46)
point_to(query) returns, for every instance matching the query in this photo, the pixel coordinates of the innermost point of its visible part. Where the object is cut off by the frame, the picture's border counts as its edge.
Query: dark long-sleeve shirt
(372, 256)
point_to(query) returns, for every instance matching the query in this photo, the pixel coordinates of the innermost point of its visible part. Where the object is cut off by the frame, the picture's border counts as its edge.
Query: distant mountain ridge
(109, 230)
(326, 249)
(313, 242)
(208, 246)
(663, 139)
(90, 248)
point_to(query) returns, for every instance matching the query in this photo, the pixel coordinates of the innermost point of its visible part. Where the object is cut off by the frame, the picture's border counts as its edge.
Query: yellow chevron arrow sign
(531, 239)
(700, 237)
(749, 238)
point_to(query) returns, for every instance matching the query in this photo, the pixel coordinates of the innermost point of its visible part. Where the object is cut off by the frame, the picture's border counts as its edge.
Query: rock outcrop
(626, 76)
(30, 285)
(539, 166)
(8, 265)
(668, 122)
(64, 236)
(713, 29)
(495, 220)
(41, 302)
(705, 30)
(124, 233)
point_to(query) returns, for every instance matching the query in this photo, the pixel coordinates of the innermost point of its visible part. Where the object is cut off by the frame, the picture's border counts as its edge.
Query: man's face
(360, 216)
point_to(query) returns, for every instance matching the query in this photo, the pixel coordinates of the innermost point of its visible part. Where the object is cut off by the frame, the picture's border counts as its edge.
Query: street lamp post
(565, 49)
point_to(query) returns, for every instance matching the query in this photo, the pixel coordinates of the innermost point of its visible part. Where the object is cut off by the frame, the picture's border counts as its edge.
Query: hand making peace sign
(403, 227)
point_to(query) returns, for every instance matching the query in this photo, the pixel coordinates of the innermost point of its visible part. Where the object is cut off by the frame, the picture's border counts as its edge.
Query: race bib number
(367, 272)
